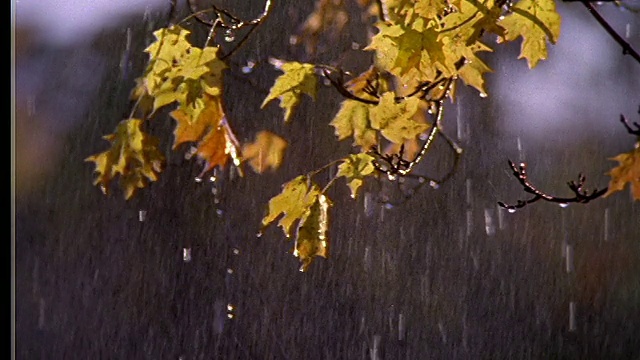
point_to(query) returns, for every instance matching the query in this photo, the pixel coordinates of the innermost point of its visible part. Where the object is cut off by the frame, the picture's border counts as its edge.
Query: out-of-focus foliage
(266, 152)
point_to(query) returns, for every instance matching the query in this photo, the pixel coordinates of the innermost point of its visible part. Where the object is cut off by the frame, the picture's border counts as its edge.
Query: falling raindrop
(469, 222)
(198, 179)
(401, 329)
(368, 204)
(469, 195)
(569, 258)
(606, 224)
(259, 234)
(142, 215)
(375, 349)
(521, 157)
(483, 95)
(388, 206)
(443, 334)
(186, 254)
(219, 212)
(229, 36)
(249, 67)
(236, 251)
(229, 271)
(434, 184)
(355, 46)
(489, 227)
(564, 205)
(572, 316)
(501, 223)
(41, 314)
(367, 259)
(511, 210)
(293, 40)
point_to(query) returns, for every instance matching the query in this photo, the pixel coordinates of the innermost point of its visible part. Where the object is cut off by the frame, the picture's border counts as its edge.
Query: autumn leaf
(298, 79)
(395, 119)
(412, 53)
(180, 72)
(627, 171)
(537, 22)
(266, 152)
(133, 156)
(293, 203)
(311, 235)
(355, 168)
(215, 141)
(352, 120)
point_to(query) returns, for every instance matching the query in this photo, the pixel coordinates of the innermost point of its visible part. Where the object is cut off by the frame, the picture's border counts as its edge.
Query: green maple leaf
(355, 168)
(133, 156)
(293, 203)
(537, 22)
(352, 120)
(311, 235)
(298, 79)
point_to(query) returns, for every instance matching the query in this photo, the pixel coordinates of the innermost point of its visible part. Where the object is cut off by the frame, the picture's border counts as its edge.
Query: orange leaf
(627, 171)
(213, 149)
(190, 130)
(266, 152)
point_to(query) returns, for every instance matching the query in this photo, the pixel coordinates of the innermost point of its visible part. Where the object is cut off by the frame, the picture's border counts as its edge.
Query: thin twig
(627, 49)
(582, 196)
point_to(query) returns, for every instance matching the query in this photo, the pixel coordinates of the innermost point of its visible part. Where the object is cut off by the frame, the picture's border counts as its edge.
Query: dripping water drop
(564, 205)
(229, 36)
(511, 210)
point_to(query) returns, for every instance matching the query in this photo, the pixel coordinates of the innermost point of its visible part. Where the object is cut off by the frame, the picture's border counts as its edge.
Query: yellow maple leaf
(537, 21)
(352, 120)
(395, 119)
(266, 152)
(133, 156)
(298, 79)
(311, 235)
(355, 168)
(292, 204)
(627, 171)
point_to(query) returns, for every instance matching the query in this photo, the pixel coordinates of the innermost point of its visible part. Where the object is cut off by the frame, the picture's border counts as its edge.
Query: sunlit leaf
(352, 120)
(395, 119)
(298, 79)
(293, 203)
(311, 235)
(538, 22)
(266, 152)
(627, 171)
(133, 156)
(355, 168)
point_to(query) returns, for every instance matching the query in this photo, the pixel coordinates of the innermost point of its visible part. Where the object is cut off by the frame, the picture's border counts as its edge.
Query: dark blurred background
(178, 272)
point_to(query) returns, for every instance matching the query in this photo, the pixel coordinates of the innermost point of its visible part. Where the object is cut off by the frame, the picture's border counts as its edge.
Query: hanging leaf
(297, 79)
(311, 235)
(352, 120)
(395, 119)
(133, 156)
(537, 22)
(627, 171)
(293, 203)
(355, 168)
